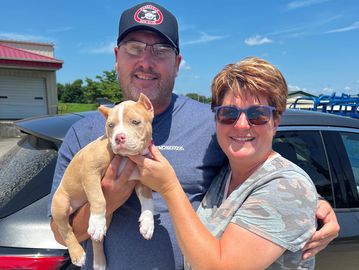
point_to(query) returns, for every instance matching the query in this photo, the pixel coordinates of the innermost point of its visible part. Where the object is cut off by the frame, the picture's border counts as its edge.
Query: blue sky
(315, 43)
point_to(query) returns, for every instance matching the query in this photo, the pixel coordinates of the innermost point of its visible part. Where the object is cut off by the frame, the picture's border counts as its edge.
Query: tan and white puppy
(128, 132)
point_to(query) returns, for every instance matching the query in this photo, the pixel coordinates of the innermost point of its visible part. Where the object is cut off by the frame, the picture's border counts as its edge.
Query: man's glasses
(256, 114)
(138, 48)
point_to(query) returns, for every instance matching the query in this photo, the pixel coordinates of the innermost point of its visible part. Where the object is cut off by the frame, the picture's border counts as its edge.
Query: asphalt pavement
(6, 144)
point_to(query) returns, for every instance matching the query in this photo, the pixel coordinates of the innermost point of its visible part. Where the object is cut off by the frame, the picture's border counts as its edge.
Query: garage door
(22, 97)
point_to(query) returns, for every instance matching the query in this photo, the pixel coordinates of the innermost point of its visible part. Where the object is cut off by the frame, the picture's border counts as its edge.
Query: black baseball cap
(149, 16)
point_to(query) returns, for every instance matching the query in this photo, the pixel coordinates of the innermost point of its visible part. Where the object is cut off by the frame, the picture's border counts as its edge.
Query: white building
(27, 79)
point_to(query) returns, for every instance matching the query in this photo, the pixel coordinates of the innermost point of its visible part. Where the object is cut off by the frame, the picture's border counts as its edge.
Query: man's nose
(148, 58)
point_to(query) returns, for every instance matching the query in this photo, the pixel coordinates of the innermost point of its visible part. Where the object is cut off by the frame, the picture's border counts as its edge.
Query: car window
(26, 173)
(341, 146)
(305, 148)
(351, 143)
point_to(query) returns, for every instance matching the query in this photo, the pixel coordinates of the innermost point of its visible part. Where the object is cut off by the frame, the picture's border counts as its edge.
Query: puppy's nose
(120, 138)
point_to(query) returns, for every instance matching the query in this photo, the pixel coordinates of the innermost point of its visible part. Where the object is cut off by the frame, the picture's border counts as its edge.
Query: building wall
(303, 104)
(50, 83)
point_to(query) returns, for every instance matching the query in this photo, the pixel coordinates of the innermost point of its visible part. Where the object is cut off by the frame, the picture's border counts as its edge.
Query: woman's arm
(238, 248)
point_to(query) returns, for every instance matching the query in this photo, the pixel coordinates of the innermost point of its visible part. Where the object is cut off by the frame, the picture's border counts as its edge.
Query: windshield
(25, 173)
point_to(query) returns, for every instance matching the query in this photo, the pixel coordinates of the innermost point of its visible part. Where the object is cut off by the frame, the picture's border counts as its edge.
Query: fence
(345, 104)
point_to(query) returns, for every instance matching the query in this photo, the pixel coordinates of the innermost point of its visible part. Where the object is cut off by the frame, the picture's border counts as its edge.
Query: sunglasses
(256, 115)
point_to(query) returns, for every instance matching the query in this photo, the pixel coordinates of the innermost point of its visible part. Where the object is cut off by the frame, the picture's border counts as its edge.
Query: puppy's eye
(135, 122)
(111, 125)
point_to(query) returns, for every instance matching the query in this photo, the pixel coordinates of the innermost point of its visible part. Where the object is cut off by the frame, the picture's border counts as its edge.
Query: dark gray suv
(326, 146)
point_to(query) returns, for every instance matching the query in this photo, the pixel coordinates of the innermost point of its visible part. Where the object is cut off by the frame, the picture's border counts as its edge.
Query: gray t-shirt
(278, 202)
(184, 133)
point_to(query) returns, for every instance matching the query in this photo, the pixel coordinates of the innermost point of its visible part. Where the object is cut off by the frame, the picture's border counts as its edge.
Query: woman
(259, 211)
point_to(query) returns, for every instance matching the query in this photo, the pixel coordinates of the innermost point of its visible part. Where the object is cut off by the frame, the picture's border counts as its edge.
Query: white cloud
(203, 38)
(354, 26)
(257, 40)
(294, 88)
(184, 65)
(104, 49)
(304, 3)
(303, 29)
(327, 90)
(23, 37)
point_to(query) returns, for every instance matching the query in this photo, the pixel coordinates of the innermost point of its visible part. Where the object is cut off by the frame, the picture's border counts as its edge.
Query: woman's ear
(276, 122)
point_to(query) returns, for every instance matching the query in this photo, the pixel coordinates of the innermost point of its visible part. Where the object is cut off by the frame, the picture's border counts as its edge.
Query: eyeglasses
(138, 48)
(256, 114)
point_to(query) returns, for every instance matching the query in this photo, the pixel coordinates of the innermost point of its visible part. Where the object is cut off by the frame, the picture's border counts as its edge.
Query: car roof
(54, 127)
(296, 117)
(51, 127)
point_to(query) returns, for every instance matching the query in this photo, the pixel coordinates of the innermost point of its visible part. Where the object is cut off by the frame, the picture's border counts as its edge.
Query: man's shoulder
(87, 129)
(90, 119)
(191, 102)
(193, 107)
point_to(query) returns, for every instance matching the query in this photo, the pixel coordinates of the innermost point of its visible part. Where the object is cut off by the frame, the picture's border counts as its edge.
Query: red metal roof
(11, 56)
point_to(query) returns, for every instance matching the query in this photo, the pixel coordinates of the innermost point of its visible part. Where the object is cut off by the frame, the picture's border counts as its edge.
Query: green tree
(198, 97)
(72, 92)
(105, 85)
(60, 90)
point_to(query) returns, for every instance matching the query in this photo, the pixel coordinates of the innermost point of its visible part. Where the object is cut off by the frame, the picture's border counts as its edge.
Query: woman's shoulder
(279, 165)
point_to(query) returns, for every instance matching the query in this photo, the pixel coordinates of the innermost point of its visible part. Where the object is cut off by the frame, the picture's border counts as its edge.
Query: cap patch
(148, 14)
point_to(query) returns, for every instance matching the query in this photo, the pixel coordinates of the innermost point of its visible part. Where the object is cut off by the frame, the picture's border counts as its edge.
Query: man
(147, 61)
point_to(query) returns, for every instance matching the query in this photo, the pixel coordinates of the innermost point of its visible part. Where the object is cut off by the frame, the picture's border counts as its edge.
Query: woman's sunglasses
(256, 114)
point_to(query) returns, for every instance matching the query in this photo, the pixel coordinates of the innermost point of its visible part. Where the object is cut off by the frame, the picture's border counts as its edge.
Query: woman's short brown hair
(253, 76)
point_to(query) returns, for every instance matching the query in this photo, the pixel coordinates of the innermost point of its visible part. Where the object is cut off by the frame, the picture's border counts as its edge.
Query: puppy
(128, 132)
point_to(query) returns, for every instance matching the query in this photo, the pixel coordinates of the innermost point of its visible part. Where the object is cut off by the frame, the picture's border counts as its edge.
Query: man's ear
(104, 110)
(178, 63)
(116, 59)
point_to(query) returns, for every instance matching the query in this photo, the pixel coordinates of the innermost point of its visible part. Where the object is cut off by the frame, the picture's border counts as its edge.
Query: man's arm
(329, 230)
(116, 189)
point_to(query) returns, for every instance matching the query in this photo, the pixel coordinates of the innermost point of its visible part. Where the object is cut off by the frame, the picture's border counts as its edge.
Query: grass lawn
(75, 107)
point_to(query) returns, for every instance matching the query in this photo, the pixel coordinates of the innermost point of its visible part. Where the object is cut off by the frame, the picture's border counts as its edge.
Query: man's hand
(116, 188)
(329, 230)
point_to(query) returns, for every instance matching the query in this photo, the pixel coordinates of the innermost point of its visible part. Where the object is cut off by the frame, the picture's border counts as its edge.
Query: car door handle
(3, 97)
(38, 98)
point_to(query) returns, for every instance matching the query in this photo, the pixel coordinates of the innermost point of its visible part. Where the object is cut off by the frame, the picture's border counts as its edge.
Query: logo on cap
(148, 14)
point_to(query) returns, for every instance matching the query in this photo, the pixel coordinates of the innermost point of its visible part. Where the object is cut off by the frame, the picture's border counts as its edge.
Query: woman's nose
(242, 121)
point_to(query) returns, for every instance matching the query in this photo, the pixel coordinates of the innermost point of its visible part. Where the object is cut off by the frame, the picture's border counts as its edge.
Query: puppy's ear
(104, 110)
(145, 101)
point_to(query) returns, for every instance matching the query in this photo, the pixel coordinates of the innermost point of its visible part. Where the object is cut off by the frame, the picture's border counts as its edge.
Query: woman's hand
(329, 230)
(156, 172)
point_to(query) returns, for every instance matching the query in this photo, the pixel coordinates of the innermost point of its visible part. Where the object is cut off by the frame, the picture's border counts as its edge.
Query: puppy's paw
(79, 261)
(99, 267)
(97, 227)
(147, 225)
(77, 254)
